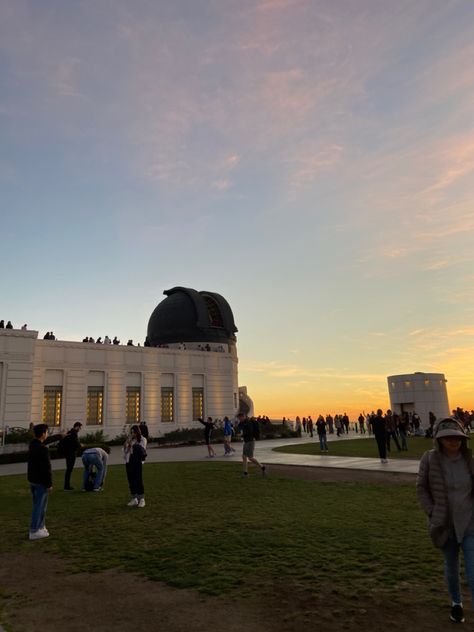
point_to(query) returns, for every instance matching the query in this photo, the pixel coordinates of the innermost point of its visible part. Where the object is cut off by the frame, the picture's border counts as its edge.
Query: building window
(213, 311)
(132, 405)
(52, 399)
(408, 383)
(393, 385)
(95, 405)
(198, 403)
(167, 403)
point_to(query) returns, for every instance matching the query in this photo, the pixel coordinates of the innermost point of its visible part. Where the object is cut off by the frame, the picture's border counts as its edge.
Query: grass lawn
(205, 527)
(361, 447)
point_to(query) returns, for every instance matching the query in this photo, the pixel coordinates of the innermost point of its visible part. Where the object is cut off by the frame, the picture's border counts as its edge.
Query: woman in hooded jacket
(445, 488)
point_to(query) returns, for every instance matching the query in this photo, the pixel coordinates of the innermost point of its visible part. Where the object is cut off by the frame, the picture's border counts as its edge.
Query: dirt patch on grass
(335, 475)
(39, 593)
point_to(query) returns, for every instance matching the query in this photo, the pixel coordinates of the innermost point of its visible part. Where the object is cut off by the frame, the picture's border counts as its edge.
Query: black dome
(190, 316)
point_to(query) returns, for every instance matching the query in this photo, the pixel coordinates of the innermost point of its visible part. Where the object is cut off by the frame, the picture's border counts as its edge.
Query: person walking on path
(445, 485)
(228, 432)
(310, 426)
(250, 433)
(208, 428)
(361, 421)
(322, 433)
(40, 480)
(68, 447)
(95, 457)
(134, 452)
(378, 428)
(391, 430)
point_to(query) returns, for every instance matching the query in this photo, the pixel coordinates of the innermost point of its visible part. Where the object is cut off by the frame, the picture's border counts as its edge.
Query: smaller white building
(419, 392)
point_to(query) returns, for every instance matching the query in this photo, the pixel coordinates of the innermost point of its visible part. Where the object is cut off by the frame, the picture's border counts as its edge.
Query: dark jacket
(39, 464)
(249, 429)
(70, 444)
(378, 426)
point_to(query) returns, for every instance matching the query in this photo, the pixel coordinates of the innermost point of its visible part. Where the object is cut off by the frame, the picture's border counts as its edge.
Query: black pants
(394, 437)
(135, 477)
(382, 445)
(70, 460)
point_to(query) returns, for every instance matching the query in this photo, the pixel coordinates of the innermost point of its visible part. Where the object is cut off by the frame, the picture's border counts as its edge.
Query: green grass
(361, 448)
(205, 527)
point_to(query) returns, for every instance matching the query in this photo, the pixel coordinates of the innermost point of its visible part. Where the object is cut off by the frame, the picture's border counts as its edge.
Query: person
(115, 341)
(68, 447)
(24, 327)
(322, 433)
(208, 428)
(361, 421)
(390, 430)
(378, 428)
(403, 430)
(2, 324)
(444, 487)
(9, 325)
(107, 340)
(228, 432)
(134, 451)
(310, 426)
(94, 457)
(40, 480)
(250, 432)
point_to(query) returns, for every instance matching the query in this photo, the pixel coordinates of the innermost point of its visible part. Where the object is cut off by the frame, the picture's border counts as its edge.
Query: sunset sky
(310, 160)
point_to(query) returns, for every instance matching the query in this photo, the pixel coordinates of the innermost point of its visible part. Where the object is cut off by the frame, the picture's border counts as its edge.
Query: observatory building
(186, 370)
(420, 392)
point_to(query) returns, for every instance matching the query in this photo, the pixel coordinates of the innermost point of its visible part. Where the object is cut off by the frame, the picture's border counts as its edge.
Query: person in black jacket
(209, 426)
(68, 447)
(40, 480)
(378, 428)
(250, 432)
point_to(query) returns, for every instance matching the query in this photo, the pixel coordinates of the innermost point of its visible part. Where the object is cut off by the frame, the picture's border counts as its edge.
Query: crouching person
(40, 480)
(95, 458)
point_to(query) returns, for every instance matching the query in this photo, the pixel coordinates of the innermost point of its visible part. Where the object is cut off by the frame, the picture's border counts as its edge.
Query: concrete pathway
(263, 452)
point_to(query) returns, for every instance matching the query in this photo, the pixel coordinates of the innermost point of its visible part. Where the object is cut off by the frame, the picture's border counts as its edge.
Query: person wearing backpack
(250, 432)
(68, 447)
(134, 452)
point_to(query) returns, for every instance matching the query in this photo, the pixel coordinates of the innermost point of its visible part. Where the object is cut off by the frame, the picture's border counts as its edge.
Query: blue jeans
(323, 444)
(40, 503)
(93, 459)
(451, 565)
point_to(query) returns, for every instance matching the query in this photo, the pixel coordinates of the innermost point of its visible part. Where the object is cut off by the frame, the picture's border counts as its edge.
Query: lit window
(408, 383)
(198, 403)
(132, 405)
(95, 405)
(52, 399)
(167, 404)
(427, 382)
(393, 384)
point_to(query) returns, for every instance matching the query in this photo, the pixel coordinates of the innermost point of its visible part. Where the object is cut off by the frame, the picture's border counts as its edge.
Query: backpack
(63, 445)
(139, 452)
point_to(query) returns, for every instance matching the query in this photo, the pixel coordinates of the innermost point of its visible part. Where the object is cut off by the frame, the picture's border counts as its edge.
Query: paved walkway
(264, 453)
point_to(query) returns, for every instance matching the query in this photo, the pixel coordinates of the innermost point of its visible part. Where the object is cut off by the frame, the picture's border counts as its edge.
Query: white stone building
(187, 370)
(420, 392)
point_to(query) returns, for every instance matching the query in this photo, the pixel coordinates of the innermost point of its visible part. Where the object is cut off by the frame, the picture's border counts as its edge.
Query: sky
(310, 160)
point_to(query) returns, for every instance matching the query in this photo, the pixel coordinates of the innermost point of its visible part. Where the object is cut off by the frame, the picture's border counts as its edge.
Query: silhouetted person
(2, 324)
(116, 341)
(9, 325)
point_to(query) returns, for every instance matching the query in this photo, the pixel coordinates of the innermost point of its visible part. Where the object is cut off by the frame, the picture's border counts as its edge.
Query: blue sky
(310, 160)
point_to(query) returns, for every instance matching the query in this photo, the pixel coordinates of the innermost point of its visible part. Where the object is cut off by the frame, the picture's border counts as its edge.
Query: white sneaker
(133, 503)
(141, 502)
(39, 535)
